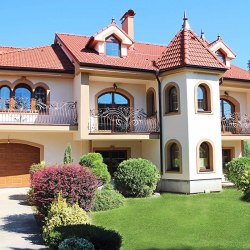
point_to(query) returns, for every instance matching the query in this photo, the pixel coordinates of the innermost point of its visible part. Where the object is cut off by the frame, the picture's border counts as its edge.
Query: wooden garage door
(15, 160)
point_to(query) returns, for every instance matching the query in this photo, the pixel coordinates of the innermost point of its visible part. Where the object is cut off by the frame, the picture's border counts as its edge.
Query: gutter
(160, 119)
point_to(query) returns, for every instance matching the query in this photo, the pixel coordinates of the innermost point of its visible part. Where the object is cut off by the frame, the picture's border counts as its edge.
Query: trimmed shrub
(94, 162)
(235, 169)
(76, 184)
(61, 214)
(68, 155)
(101, 238)
(238, 172)
(136, 178)
(107, 198)
(76, 244)
(36, 167)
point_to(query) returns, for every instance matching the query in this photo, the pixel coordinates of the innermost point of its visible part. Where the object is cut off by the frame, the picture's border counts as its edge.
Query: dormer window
(113, 47)
(220, 56)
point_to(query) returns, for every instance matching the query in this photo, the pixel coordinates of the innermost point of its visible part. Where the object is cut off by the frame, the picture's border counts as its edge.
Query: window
(203, 98)
(150, 102)
(112, 158)
(112, 47)
(173, 156)
(172, 100)
(110, 103)
(4, 97)
(22, 94)
(205, 157)
(226, 108)
(220, 56)
(40, 96)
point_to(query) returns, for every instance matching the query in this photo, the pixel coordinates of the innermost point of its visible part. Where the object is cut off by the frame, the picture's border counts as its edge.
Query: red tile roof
(140, 55)
(4, 49)
(237, 73)
(45, 58)
(186, 49)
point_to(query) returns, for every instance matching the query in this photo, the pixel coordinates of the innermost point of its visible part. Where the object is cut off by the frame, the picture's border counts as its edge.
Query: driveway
(18, 227)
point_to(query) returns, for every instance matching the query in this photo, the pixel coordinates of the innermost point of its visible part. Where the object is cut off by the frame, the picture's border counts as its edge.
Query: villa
(183, 106)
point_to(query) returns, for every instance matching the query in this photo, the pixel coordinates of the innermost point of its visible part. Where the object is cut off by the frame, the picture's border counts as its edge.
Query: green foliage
(61, 214)
(68, 155)
(235, 169)
(246, 149)
(76, 244)
(94, 162)
(107, 198)
(36, 167)
(238, 172)
(101, 238)
(136, 177)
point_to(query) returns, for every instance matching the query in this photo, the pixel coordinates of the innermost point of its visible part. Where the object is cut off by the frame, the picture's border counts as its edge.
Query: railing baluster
(123, 120)
(22, 112)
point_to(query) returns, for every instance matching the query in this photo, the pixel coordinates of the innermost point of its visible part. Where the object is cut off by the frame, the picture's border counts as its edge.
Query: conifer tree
(68, 155)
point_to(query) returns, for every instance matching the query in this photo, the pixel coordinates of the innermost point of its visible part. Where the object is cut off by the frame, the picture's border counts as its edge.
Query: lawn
(182, 222)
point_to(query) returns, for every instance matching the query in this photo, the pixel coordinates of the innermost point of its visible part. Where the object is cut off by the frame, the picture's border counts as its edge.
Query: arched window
(4, 97)
(173, 99)
(113, 47)
(22, 94)
(172, 102)
(40, 95)
(203, 98)
(205, 157)
(226, 108)
(110, 108)
(173, 156)
(150, 102)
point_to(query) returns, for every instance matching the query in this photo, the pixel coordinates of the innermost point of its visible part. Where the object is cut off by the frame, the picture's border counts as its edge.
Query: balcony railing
(236, 123)
(29, 111)
(122, 120)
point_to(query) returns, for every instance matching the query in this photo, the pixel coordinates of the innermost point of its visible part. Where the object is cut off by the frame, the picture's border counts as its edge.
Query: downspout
(160, 119)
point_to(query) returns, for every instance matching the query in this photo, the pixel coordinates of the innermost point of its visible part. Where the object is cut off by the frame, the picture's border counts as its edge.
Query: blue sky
(30, 23)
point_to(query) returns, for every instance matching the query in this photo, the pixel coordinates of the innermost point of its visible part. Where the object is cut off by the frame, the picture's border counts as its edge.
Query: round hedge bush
(107, 198)
(76, 184)
(94, 161)
(136, 178)
(76, 244)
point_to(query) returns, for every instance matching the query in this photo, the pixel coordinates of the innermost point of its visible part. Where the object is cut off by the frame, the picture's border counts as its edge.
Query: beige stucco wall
(54, 144)
(61, 89)
(151, 151)
(236, 145)
(138, 91)
(191, 128)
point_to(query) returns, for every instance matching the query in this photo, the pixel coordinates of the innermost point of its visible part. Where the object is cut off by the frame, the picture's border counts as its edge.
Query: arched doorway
(227, 108)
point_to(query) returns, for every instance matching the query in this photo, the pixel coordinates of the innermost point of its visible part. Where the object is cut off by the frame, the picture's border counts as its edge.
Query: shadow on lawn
(24, 224)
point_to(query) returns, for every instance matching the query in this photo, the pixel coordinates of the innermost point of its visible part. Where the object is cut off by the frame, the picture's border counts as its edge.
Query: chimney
(128, 23)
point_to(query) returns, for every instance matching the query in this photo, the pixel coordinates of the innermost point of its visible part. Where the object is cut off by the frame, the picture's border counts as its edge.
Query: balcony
(30, 111)
(235, 124)
(122, 120)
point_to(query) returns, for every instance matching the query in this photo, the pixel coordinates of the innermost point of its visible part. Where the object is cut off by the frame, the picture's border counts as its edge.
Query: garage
(15, 160)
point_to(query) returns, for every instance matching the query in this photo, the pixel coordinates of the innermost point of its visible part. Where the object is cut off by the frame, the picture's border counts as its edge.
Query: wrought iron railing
(236, 123)
(29, 111)
(122, 120)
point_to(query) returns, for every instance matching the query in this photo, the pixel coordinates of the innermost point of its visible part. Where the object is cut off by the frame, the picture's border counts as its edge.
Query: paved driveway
(18, 228)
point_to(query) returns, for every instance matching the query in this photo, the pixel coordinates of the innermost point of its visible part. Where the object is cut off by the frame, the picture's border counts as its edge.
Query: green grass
(177, 222)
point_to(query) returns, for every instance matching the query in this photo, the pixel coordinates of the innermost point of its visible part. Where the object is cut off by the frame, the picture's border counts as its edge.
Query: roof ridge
(25, 49)
(70, 34)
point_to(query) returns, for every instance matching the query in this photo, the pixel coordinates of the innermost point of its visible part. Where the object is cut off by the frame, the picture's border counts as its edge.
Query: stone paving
(18, 227)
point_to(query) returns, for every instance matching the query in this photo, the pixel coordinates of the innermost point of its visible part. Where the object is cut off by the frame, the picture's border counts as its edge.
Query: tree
(68, 155)
(248, 65)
